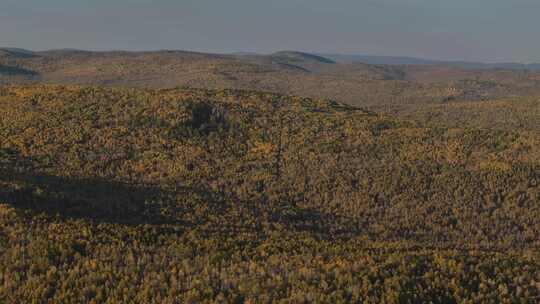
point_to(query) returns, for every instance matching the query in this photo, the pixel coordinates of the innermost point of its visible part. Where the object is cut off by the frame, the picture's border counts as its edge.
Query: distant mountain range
(368, 81)
(300, 56)
(398, 60)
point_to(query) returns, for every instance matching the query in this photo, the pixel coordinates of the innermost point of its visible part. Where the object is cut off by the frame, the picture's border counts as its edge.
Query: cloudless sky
(480, 30)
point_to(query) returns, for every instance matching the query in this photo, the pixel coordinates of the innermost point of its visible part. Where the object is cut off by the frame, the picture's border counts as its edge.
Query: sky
(472, 30)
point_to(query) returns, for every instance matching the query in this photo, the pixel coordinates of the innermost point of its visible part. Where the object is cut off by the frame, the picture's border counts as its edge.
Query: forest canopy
(111, 195)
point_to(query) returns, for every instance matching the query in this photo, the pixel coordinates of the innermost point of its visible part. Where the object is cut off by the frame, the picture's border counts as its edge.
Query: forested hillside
(389, 89)
(201, 196)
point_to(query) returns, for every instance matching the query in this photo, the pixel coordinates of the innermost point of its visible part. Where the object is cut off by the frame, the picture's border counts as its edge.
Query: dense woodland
(112, 195)
(389, 89)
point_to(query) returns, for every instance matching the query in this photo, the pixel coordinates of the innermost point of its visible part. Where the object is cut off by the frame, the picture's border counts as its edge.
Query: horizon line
(435, 60)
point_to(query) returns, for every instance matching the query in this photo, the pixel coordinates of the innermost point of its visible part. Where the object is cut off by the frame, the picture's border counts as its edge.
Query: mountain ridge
(406, 60)
(328, 58)
(386, 88)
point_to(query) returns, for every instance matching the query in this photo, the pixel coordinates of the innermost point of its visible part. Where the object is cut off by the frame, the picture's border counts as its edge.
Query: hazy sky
(486, 30)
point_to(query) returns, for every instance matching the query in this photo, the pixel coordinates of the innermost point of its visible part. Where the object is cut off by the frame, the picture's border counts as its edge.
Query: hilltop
(400, 60)
(301, 57)
(196, 195)
(391, 89)
(16, 53)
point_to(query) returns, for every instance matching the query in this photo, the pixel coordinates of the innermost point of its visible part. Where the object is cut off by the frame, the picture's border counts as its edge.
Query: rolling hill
(184, 177)
(195, 195)
(391, 89)
(15, 53)
(400, 60)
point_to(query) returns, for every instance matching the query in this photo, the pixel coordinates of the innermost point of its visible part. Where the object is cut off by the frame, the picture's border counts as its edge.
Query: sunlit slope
(170, 195)
(364, 174)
